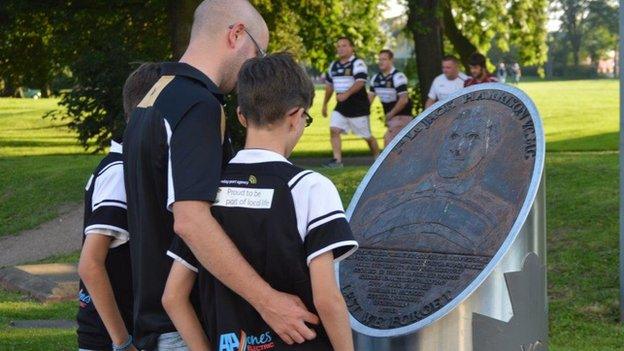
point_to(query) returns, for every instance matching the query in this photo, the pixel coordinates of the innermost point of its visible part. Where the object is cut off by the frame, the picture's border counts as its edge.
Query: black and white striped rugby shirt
(389, 88)
(342, 76)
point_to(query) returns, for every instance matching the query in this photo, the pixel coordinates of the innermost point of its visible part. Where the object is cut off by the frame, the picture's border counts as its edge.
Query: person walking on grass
(450, 81)
(347, 76)
(391, 87)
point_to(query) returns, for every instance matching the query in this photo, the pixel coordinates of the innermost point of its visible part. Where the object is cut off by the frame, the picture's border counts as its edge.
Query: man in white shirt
(450, 81)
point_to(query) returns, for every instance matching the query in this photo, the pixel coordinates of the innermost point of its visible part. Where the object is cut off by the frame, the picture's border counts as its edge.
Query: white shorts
(358, 125)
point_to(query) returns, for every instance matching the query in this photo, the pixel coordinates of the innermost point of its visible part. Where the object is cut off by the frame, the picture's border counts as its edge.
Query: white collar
(258, 156)
(389, 74)
(116, 147)
(349, 60)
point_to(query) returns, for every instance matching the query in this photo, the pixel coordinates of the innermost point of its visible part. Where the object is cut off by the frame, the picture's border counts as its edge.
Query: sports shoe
(333, 164)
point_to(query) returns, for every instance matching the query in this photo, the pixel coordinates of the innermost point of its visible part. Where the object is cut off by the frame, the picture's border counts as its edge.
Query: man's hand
(342, 97)
(286, 315)
(324, 110)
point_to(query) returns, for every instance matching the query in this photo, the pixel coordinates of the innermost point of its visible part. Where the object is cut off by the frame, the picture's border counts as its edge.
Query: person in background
(391, 87)
(450, 81)
(347, 77)
(478, 71)
(501, 72)
(105, 314)
(517, 72)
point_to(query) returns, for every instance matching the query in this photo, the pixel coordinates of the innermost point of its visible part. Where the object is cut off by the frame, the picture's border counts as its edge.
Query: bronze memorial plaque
(432, 214)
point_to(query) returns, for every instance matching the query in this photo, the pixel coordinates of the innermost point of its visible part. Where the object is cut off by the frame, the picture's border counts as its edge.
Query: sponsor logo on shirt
(244, 197)
(252, 179)
(84, 298)
(244, 342)
(348, 72)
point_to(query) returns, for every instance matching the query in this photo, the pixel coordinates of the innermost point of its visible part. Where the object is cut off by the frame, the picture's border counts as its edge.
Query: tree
(473, 25)
(573, 16)
(27, 57)
(425, 24)
(101, 41)
(601, 25)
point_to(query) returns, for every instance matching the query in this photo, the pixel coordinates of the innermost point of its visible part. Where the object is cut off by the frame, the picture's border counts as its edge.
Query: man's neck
(483, 76)
(345, 59)
(388, 71)
(208, 65)
(452, 77)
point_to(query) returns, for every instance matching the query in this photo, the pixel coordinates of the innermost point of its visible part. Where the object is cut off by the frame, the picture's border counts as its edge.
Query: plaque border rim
(531, 195)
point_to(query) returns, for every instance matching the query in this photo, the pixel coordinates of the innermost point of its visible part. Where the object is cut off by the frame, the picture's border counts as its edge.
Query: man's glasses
(260, 53)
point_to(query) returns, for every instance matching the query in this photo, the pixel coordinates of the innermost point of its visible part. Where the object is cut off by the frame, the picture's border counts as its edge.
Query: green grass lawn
(41, 168)
(582, 209)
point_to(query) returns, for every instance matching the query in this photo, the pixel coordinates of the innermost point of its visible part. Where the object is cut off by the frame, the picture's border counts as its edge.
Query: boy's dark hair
(476, 59)
(138, 84)
(347, 39)
(450, 58)
(268, 87)
(387, 52)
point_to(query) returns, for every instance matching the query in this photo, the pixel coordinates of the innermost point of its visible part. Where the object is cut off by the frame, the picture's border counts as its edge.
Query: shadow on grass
(599, 142)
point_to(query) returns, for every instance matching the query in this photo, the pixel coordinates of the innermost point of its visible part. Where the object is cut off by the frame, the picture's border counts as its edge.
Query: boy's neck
(266, 140)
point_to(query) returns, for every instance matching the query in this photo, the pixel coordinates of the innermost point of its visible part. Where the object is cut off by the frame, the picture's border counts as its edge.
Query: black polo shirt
(280, 217)
(173, 152)
(389, 88)
(342, 76)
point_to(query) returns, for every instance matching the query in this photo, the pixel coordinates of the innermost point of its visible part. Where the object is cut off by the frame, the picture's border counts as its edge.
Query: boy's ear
(293, 120)
(241, 119)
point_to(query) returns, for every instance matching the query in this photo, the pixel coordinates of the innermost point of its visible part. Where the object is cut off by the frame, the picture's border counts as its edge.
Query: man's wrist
(262, 297)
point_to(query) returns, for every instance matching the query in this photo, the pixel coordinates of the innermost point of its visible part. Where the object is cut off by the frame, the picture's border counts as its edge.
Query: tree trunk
(180, 14)
(462, 45)
(425, 25)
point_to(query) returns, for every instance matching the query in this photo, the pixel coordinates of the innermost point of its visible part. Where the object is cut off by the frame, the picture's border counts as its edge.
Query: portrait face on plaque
(436, 210)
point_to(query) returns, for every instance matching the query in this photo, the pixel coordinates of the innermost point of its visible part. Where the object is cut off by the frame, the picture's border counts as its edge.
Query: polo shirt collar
(116, 147)
(186, 70)
(389, 74)
(258, 156)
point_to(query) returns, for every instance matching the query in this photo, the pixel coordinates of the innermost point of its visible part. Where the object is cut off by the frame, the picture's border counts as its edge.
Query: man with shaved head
(172, 165)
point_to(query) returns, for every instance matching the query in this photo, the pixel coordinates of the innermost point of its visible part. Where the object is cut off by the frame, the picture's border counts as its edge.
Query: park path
(61, 235)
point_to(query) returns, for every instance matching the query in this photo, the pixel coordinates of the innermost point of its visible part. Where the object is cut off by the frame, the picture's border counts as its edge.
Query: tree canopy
(99, 42)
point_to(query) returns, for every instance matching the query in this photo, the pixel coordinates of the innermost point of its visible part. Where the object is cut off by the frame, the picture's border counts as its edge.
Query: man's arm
(92, 271)
(177, 304)
(398, 107)
(329, 302)
(357, 86)
(429, 102)
(284, 313)
(329, 91)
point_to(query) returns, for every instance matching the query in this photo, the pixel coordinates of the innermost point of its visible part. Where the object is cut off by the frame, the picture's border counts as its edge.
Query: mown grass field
(41, 167)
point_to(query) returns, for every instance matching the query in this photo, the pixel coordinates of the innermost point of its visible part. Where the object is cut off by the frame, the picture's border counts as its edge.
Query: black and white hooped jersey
(280, 217)
(342, 76)
(105, 213)
(389, 88)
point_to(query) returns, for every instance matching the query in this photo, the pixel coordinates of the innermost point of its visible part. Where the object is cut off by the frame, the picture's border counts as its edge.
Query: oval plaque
(440, 207)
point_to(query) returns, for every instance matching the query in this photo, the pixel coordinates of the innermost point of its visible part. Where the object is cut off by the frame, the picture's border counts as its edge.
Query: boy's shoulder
(109, 165)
